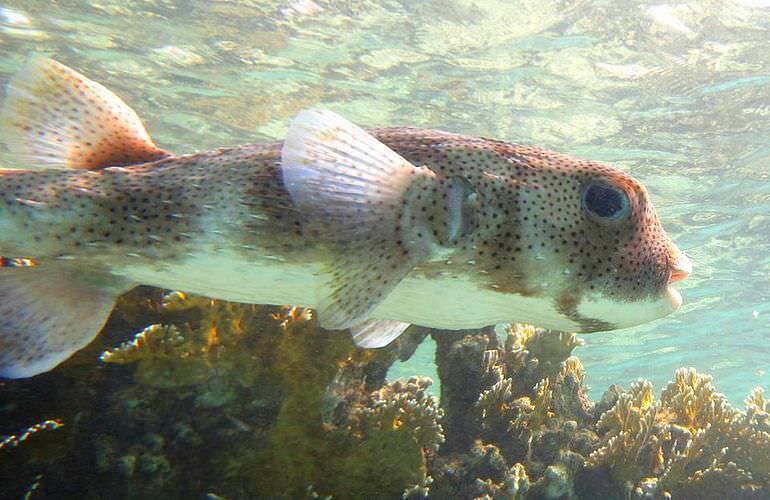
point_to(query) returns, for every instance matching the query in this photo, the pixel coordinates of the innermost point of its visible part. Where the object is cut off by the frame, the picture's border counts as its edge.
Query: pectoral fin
(47, 312)
(353, 190)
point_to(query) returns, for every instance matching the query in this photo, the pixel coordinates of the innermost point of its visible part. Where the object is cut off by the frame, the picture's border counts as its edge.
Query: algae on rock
(279, 357)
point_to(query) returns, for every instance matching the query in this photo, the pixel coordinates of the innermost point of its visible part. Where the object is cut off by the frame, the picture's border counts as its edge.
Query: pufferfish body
(376, 230)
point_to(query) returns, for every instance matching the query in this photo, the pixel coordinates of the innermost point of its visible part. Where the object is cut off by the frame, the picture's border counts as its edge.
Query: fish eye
(605, 202)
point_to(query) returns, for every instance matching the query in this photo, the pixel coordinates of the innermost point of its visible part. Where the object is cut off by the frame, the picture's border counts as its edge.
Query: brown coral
(251, 401)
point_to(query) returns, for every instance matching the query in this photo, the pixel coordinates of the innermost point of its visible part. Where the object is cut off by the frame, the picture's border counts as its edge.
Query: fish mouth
(674, 297)
(680, 270)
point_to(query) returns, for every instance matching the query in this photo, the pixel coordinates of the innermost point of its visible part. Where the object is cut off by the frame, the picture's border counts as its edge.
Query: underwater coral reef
(218, 400)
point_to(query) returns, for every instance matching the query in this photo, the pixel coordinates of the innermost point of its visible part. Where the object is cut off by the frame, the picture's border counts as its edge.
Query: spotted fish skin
(376, 229)
(153, 210)
(531, 223)
(534, 238)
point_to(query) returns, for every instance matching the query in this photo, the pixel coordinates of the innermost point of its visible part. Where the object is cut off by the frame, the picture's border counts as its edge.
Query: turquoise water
(221, 401)
(675, 94)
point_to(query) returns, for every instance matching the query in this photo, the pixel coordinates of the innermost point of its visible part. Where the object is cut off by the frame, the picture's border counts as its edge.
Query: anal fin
(49, 311)
(377, 332)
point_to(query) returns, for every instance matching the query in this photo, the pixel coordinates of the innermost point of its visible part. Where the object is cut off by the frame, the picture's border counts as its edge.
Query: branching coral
(529, 395)
(692, 401)
(283, 391)
(487, 385)
(555, 385)
(403, 404)
(202, 337)
(631, 447)
(482, 473)
(153, 341)
(733, 447)
(14, 440)
(569, 399)
(534, 354)
(165, 357)
(255, 401)
(690, 444)
(758, 409)
(627, 446)
(398, 420)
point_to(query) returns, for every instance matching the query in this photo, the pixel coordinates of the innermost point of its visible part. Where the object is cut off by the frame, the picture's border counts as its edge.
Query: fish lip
(674, 297)
(678, 275)
(680, 269)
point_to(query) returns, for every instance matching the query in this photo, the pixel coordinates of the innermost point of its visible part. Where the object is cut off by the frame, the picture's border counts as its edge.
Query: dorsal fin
(54, 117)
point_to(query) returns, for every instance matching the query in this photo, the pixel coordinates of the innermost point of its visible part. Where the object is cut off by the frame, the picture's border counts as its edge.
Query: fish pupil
(605, 202)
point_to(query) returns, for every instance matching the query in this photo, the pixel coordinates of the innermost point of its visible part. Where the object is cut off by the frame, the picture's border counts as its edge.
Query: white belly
(458, 303)
(450, 303)
(228, 276)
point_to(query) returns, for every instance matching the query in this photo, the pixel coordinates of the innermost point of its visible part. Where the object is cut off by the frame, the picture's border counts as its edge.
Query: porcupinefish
(374, 229)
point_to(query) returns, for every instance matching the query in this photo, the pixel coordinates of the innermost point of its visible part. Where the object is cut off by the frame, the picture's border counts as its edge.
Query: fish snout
(680, 268)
